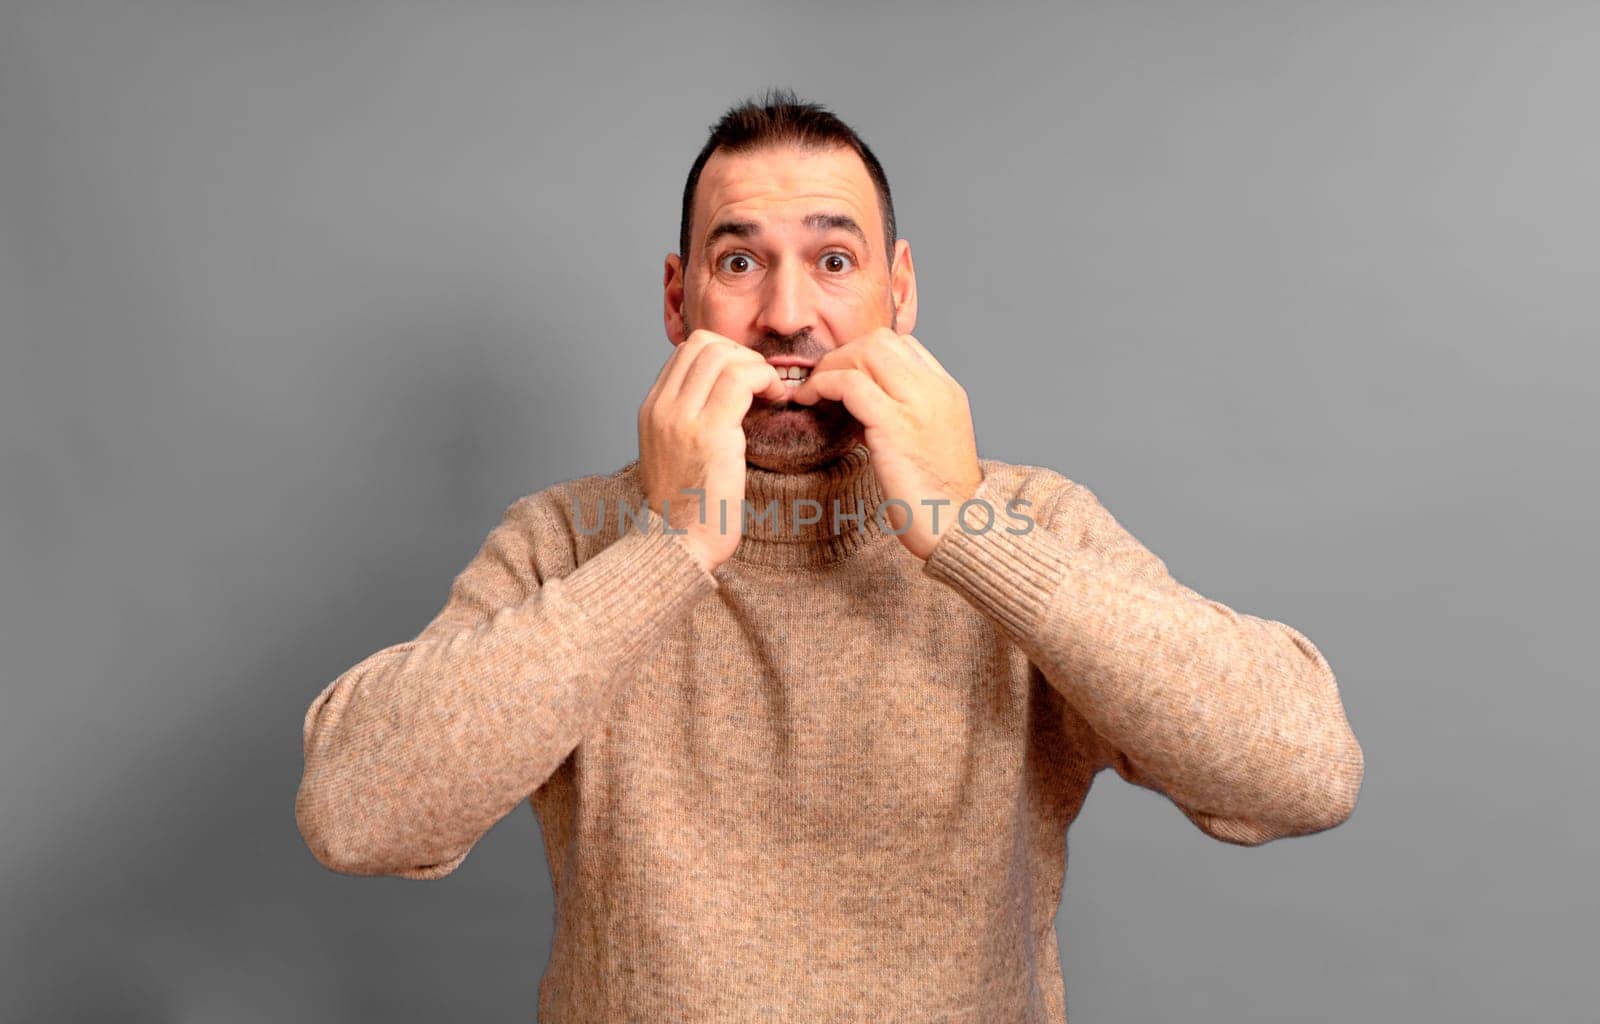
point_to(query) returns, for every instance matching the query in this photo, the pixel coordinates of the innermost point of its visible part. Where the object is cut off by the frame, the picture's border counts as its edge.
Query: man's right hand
(691, 435)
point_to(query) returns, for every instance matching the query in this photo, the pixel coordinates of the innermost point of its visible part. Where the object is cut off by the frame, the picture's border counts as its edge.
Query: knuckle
(701, 339)
(705, 359)
(714, 345)
(743, 361)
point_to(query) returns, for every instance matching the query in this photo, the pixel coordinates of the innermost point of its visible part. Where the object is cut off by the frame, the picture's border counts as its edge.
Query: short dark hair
(782, 118)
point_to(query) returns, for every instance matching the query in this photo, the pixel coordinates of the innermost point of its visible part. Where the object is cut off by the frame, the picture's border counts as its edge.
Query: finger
(839, 358)
(922, 350)
(682, 360)
(708, 367)
(887, 360)
(859, 392)
(898, 369)
(664, 385)
(735, 391)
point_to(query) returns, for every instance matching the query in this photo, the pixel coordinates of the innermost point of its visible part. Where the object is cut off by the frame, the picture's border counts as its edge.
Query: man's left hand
(918, 428)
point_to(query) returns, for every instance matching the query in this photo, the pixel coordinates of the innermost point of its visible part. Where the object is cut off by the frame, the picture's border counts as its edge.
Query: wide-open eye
(734, 263)
(837, 262)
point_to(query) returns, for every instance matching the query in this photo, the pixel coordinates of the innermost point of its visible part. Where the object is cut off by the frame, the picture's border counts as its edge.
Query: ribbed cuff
(1008, 572)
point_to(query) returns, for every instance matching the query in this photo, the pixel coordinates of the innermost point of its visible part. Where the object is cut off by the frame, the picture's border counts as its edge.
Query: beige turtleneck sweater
(830, 781)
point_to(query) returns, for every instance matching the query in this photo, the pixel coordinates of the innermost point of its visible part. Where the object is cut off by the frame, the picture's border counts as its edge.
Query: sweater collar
(770, 534)
(846, 496)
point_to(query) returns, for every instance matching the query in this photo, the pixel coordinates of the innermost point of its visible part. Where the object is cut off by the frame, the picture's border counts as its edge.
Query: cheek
(859, 314)
(717, 295)
(866, 301)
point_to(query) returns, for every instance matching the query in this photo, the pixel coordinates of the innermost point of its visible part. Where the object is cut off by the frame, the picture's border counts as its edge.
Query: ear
(903, 288)
(672, 300)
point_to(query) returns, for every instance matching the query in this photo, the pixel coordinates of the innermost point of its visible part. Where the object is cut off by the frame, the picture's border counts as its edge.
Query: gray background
(295, 298)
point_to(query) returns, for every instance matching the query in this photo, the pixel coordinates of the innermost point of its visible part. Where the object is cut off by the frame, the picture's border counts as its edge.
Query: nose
(787, 306)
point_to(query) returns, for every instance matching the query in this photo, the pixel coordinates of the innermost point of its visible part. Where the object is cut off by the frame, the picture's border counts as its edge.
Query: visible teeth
(793, 372)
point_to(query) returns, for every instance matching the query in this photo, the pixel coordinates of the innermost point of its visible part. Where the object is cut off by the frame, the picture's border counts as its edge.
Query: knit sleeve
(1236, 719)
(412, 754)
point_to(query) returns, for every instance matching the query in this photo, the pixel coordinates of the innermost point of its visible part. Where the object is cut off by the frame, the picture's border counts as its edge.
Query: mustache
(800, 345)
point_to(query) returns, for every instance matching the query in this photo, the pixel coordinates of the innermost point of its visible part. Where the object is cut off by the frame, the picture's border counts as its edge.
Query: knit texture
(829, 782)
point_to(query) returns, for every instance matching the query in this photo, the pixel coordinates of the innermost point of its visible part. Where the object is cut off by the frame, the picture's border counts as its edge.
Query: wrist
(708, 558)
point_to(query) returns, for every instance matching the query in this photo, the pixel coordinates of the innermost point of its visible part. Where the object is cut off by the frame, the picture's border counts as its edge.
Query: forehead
(782, 184)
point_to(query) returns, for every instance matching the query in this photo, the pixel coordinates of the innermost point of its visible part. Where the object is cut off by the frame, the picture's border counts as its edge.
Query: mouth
(793, 372)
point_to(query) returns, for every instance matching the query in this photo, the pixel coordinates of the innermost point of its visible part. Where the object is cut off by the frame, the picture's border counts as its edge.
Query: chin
(800, 444)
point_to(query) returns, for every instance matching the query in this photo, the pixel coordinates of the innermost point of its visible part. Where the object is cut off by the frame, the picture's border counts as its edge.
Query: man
(803, 767)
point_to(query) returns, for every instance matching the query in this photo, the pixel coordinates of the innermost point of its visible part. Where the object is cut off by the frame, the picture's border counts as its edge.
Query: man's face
(786, 257)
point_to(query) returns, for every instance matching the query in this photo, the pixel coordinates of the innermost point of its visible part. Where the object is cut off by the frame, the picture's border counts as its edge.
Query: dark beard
(787, 438)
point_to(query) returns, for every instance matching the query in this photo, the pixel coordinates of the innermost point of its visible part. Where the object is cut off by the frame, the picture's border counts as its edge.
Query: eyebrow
(816, 222)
